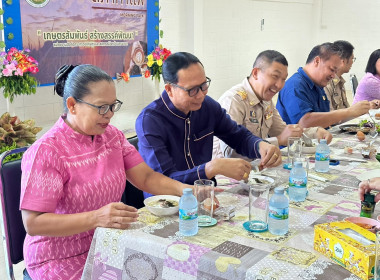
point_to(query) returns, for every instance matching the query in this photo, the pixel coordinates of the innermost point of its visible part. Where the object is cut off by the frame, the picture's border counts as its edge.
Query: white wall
(226, 35)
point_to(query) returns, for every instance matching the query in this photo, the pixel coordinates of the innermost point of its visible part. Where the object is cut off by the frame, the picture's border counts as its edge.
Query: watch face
(138, 56)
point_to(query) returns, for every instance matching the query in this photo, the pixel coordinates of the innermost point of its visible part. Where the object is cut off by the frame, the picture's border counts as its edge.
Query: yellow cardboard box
(349, 245)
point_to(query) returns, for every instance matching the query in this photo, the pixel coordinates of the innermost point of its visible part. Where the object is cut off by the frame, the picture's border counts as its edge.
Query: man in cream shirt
(250, 105)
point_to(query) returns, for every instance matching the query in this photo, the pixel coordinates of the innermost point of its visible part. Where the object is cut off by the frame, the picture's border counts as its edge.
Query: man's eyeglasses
(102, 110)
(194, 91)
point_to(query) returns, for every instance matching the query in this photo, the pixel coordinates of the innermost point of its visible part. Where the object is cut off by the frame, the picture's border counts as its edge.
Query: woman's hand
(368, 185)
(116, 215)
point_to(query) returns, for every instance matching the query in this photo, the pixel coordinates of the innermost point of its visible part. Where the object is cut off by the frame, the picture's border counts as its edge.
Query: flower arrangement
(155, 61)
(15, 66)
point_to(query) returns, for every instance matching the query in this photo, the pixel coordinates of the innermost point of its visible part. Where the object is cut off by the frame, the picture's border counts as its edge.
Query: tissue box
(349, 245)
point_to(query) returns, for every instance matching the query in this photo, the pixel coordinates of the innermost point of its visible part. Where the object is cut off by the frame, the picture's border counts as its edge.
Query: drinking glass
(204, 192)
(258, 208)
(294, 150)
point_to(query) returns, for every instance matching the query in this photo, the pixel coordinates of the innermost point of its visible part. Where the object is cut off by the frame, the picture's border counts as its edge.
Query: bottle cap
(279, 190)
(369, 197)
(298, 164)
(323, 141)
(187, 191)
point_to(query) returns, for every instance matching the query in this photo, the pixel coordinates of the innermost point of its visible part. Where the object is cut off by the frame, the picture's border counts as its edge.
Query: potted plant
(15, 133)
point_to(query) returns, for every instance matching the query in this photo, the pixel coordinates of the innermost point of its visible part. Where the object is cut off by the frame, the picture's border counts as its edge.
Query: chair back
(12, 226)
(354, 83)
(133, 196)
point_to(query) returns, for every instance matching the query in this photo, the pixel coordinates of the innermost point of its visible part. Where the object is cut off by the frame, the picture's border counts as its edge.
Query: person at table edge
(250, 104)
(74, 175)
(176, 131)
(335, 90)
(303, 100)
(369, 85)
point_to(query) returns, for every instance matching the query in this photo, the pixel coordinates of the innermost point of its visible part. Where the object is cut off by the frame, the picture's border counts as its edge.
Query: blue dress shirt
(300, 96)
(180, 145)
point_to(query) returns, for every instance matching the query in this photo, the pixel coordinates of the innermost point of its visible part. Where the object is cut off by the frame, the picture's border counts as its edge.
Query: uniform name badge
(252, 117)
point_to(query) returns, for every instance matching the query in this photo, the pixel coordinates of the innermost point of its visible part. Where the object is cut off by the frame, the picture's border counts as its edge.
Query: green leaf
(9, 2)
(1, 11)
(2, 44)
(9, 20)
(156, 27)
(10, 36)
(1, 26)
(156, 41)
(156, 14)
(156, 3)
(161, 33)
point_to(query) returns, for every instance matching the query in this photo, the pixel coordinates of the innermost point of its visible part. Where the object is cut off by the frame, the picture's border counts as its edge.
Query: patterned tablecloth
(153, 248)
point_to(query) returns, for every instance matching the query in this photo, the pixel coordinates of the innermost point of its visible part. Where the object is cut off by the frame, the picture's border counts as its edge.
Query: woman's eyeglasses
(194, 91)
(103, 109)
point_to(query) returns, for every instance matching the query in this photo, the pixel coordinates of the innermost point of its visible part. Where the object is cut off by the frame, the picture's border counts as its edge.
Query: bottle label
(278, 213)
(322, 156)
(188, 214)
(298, 182)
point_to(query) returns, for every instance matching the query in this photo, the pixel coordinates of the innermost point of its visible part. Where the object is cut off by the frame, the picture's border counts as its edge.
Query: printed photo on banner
(115, 35)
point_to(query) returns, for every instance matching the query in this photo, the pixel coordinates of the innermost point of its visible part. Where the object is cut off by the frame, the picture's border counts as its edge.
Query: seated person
(74, 175)
(369, 85)
(250, 104)
(335, 91)
(176, 131)
(303, 100)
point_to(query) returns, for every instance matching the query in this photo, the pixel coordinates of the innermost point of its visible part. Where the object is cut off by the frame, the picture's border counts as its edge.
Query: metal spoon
(307, 139)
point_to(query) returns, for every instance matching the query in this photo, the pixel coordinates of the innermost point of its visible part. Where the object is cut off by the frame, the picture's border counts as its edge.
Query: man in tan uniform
(335, 91)
(250, 104)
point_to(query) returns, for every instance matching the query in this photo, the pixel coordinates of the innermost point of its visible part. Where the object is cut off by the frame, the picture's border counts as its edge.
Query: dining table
(153, 248)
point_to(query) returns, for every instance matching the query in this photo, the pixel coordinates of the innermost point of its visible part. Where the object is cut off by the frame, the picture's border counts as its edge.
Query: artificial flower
(155, 61)
(15, 66)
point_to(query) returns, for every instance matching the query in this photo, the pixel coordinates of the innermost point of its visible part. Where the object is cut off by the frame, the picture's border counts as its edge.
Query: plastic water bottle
(188, 213)
(278, 222)
(297, 182)
(322, 157)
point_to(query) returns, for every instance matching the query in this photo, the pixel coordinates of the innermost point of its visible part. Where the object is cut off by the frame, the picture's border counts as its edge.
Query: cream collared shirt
(259, 117)
(336, 93)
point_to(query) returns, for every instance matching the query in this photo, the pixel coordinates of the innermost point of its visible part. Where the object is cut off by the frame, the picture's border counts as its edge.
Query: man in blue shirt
(176, 131)
(303, 100)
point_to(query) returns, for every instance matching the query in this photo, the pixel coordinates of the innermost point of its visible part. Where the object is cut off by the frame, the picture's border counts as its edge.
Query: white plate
(373, 112)
(159, 211)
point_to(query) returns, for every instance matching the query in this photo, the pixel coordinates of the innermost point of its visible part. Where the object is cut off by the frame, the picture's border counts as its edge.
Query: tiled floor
(125, 121)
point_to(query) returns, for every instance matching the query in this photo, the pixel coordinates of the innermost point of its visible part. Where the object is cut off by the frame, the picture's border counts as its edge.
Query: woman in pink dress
(369, 85)
(74, 176)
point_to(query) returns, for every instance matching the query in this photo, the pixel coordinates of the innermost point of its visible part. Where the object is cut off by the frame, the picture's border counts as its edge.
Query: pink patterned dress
(66, 172)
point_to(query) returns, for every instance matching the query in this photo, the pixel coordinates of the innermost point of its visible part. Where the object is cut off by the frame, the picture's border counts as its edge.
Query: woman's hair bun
(61, 77)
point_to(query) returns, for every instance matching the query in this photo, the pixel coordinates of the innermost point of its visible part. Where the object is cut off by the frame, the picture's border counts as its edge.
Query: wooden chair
(12, 226)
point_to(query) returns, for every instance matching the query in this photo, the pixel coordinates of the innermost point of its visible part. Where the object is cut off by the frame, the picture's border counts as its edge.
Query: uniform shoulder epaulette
(242, 94)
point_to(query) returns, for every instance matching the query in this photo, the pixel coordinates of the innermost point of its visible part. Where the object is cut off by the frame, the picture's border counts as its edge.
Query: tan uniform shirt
(336, 93)
(259, 117)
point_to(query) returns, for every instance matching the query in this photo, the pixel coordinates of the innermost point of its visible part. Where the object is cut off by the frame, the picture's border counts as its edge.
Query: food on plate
(163, 203)
(360, 135)
(365, 124)
(207, 204)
